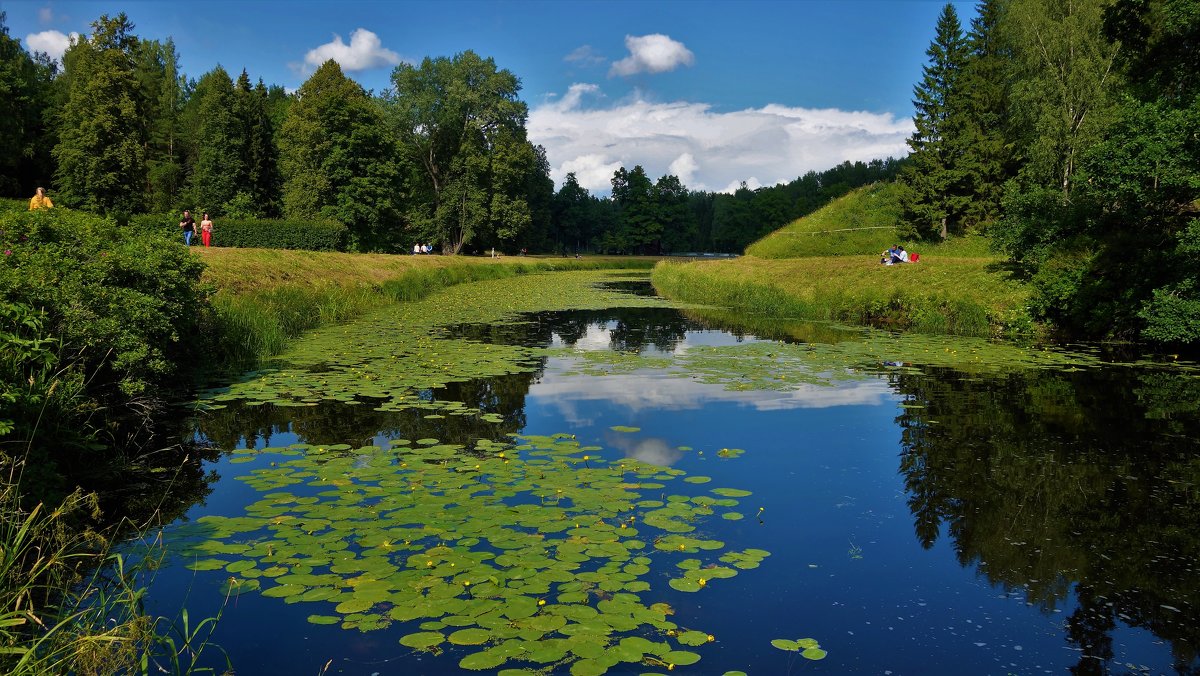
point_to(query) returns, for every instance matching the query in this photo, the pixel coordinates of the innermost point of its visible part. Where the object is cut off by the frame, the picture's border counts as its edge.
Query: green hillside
(860, 223)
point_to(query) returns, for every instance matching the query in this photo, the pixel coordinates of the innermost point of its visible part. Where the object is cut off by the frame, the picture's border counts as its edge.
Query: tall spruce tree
(987, 157)
(937, 187)
(259, 184)
(162, 99)
(101, 150)
(219, 164)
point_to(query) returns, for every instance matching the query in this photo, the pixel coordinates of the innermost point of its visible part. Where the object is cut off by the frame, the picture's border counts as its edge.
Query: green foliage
(280, 234)
(907, 307)
(1064, 84)
(1106, 117)
(462, 129)
(936, 192)
(70, 604)
(162, 99)
(25, 92)
(101, 150)
(124, 310)
(249, 232)
(338, 160)
(259, 184)
(219, 140)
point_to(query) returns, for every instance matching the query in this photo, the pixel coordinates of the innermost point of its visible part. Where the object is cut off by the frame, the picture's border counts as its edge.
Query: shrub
(252, 232)
(122, 309)
(280, 234)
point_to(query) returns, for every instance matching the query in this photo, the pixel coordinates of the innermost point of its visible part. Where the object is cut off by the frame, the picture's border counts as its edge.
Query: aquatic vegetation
(771, 365)
(391, 358)
(533, 550)
(807, 647)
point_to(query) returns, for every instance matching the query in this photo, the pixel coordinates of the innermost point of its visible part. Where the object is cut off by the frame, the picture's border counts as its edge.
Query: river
(568, 473)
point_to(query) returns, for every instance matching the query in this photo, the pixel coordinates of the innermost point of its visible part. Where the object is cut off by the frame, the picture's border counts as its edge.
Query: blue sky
(715, 92)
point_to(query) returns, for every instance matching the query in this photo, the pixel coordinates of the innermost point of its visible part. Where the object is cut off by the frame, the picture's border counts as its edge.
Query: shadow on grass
(1010, 270)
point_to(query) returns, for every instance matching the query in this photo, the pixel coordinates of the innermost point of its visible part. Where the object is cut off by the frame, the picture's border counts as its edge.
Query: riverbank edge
(251, 325)
(899, 308)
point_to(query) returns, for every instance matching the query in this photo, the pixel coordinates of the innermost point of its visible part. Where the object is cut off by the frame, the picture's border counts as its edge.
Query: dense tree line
(644, 216)
(1070, 133)
(442, 156)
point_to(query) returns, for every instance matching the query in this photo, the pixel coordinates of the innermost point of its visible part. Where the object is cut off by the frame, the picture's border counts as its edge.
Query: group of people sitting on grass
(422, 249)
(897, 254)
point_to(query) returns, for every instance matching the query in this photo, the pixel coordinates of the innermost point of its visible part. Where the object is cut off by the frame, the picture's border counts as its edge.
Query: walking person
(188, 225)
(206, 229)
(40, 201)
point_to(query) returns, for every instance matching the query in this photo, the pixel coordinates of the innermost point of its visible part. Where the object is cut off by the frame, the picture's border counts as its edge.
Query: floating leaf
(469, 636)
(423, 640)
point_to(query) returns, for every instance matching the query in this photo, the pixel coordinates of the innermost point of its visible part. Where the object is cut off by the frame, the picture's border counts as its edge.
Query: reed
(255, 319)
(71, 603)
(959, 296)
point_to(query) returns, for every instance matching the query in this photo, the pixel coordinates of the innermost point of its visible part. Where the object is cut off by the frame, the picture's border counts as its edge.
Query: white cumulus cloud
(364, 51)
(714, 150)
(656, 53)
(54, 43)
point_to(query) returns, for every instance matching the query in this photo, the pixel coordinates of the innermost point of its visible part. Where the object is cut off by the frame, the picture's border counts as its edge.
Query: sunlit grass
(963, 296)
(266, 297)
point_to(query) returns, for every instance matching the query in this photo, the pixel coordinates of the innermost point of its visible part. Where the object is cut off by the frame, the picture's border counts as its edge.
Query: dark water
(918, 523)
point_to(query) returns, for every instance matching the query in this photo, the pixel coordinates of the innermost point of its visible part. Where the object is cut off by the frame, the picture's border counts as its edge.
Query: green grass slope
(826, 266)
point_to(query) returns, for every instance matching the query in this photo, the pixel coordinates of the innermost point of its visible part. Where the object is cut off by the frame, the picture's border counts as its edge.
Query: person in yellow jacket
(40, 200)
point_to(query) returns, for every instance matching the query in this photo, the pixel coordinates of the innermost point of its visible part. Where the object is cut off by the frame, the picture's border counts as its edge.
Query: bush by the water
(99, 321)
(255, 233)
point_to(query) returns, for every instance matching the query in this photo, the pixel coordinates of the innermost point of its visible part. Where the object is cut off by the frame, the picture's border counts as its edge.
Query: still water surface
(919, 519)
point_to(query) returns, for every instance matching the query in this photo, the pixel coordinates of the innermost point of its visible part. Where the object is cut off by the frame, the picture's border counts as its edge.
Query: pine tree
(937, 191)
(101, 151)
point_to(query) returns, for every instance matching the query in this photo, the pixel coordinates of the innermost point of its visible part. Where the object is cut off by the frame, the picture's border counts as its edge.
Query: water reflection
(332, 422)
(1077, 492)
(1053, 484)
(652, 450)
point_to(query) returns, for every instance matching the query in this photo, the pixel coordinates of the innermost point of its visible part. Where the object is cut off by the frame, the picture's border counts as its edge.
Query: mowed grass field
(236, 271)
(826, 266)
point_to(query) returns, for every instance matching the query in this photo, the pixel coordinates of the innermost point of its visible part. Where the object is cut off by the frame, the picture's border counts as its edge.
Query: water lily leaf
(588, 668)
(692, 638)
(469, 636)
(681, 658)
(684, 584)
(625, 428)
(323, 619)
(488, 659)
(785, 644)
(422, 640)
(813, 654)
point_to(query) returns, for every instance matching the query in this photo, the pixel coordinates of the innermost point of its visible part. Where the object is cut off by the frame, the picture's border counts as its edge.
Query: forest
(1069, 134)
(441, 156)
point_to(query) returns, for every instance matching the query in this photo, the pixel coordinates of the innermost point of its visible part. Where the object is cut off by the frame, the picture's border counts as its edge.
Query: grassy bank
(826, 266)
(265, 297)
